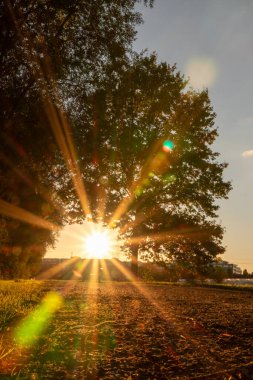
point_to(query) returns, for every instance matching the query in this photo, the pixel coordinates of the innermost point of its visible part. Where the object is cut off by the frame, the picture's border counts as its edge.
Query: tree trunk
(134, 261)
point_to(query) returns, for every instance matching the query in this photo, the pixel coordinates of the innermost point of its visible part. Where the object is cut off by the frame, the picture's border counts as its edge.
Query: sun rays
(155, 164)
(100, 241)
(42, 74)
(99, 277)
(15, 212)
(97, 245)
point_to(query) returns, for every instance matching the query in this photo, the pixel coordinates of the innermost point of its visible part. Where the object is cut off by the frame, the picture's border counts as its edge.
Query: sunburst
(99, 242)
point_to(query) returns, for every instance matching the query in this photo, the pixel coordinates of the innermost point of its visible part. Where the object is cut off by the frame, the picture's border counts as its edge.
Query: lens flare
(138, 191)
(247, 153)
(35, 324)
(202, 72)
(168, 146)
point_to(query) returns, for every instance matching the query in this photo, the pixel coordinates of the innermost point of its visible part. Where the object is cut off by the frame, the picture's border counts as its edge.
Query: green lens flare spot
(34, 324)
(168, 145)
(138, 191)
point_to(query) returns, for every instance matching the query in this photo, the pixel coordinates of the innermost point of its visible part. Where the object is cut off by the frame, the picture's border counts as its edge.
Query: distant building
(49, 262)
(232, 269)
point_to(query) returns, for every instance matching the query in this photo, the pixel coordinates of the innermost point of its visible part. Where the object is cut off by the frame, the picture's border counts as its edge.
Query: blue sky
(216, 35)
(219, 32)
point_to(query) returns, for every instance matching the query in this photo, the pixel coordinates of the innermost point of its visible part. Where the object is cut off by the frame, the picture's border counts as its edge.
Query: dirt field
(126, 331)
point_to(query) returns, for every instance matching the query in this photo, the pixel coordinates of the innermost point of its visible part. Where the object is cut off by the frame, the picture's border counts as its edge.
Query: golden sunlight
(99, 243)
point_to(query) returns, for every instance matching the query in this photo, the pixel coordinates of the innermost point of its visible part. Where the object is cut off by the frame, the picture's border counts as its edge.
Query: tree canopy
(91, 130)
(147, 163)
(50, 51)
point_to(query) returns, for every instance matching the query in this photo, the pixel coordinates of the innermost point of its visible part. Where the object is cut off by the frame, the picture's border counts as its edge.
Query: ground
(137, 331)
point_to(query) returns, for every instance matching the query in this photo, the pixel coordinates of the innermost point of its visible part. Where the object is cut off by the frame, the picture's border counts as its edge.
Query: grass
(241, 287)
(17, 299)
(230, 287)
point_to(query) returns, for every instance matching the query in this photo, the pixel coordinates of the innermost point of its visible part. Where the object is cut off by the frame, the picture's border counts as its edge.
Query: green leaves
(55, 58)
(80, 106)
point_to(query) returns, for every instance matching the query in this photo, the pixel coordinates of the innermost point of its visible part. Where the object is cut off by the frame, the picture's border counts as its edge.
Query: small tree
(245, 273)
(218, 274)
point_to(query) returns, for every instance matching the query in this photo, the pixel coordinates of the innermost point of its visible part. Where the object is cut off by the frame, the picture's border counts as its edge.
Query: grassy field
(75, 330)
(17, 299)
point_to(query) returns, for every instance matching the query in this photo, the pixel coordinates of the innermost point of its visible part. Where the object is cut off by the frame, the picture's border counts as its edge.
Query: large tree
(147, 163)
(49, 51)
(90, 129)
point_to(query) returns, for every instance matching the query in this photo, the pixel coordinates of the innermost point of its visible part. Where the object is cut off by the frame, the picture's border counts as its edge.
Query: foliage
(89, 128)
(245, 273)
(150, 272)
(49, 51)
(163, 200)
(17, 299)
(218, 274)
(23, 245)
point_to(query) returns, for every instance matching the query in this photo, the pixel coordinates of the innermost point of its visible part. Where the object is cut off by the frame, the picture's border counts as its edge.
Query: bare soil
(137, 331)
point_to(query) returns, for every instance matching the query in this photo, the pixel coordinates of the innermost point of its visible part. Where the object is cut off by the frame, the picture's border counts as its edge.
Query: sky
(211, 41)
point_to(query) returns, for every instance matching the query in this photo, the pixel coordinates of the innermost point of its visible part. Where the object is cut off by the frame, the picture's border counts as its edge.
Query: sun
(99, 243)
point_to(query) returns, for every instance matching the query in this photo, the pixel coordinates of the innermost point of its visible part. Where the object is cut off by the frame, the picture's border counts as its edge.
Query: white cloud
(247, 153)
(202, 72)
